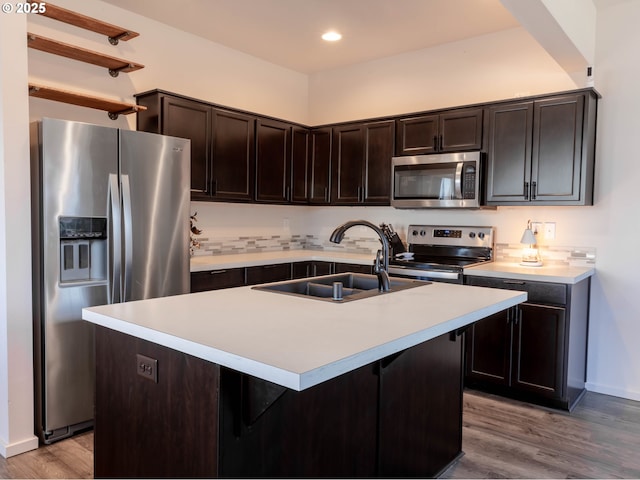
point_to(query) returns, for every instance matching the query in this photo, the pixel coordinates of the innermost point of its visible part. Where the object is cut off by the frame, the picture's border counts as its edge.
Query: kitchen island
(242, 382)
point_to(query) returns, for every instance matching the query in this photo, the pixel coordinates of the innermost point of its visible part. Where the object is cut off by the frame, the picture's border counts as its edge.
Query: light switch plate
(550, 230)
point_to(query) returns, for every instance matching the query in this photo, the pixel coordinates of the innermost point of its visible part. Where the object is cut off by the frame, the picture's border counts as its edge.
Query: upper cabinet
(222, 143)
(450, 131)
(362, 163)
(541, 152)
(320, 166)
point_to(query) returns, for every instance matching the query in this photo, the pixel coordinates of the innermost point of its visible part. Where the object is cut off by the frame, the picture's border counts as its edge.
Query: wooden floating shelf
(113, 32)
(113, 107)
(113, 64)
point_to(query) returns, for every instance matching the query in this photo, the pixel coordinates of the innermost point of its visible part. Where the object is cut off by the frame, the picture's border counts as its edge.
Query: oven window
(434, 182)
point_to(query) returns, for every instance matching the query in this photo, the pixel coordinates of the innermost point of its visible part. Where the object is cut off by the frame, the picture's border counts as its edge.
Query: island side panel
(328, 430)
(149, 429)
(421, 408)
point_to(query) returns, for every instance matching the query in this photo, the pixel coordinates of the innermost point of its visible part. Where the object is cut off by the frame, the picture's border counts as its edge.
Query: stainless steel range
(440, 253)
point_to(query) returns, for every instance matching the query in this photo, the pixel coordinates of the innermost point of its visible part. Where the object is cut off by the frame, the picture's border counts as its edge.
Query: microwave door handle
(458, 180)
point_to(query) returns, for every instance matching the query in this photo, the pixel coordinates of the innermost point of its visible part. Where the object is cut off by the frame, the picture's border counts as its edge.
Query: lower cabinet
(399, 416)
(535, 351)
(239, 277)
(217, 279)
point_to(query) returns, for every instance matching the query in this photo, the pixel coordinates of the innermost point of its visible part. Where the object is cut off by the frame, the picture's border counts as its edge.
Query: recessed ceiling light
(331, 36)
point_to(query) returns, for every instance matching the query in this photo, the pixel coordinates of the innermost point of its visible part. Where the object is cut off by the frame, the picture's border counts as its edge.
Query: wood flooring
(501, 439)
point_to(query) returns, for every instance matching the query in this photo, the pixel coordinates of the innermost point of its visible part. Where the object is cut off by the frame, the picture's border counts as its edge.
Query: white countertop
(546, 273)
(300, 342)
(203, 263)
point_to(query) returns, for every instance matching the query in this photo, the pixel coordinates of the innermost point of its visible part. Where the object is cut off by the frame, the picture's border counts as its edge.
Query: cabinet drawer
(268, 273)
(217, 279)
(538, 292)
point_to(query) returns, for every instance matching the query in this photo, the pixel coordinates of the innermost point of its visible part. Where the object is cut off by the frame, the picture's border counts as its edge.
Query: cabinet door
(188, 119)
(509, 153)
(299, 165)
(273, 160)
(320, 169)
(421, 426)
(378, 149)
(268, 273)
(538, 350)
(348, 164)
(488, 349)
(557, 149)
(417, 135)
(217, 279)
(461, 130)
(353, 267)
(233, 156)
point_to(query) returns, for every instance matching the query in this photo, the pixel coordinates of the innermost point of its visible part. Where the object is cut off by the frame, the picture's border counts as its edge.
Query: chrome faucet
(381, 270)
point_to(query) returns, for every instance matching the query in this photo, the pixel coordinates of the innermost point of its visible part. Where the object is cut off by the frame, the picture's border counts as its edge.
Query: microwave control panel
(469, 181)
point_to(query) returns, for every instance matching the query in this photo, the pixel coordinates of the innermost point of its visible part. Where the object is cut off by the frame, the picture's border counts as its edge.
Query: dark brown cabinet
(362, 163)
(179, 117)
(451, 131)
(353, 267)
(542, 151)
(300, 175)
(311, 269)
(273, 161)
(233, 157)
(535, 351)
(320, 166)
(222, 143)
(217, 279)
(268, 273)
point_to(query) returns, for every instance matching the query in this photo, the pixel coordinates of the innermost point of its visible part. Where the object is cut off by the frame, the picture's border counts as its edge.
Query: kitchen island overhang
(298, 342)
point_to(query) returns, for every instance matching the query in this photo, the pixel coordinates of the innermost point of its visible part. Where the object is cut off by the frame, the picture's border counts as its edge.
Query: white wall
(16, 354)
(174, 60)
(490, 67)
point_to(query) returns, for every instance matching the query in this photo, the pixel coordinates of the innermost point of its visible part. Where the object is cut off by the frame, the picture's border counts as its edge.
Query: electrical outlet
(550, 230)
(147, 367)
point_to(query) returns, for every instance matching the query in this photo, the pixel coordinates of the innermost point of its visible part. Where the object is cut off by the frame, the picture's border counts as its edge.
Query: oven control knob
(481, 235)
(423, 233)
(472, 234)
(414, 233)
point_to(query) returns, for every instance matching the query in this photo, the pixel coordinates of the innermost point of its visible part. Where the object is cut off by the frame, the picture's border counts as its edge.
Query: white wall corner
(16, 342)
(566, 30)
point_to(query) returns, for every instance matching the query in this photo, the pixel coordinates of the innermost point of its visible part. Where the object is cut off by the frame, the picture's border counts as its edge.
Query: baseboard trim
(613, 391)
(16, 448)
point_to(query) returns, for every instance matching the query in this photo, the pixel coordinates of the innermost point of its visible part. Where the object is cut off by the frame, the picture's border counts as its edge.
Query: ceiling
(287, 32)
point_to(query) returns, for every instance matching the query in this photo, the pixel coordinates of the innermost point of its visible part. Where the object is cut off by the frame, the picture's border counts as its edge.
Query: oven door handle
(448, 275)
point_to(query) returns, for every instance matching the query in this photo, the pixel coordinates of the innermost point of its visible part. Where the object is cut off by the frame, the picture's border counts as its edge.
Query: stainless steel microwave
(450, 180)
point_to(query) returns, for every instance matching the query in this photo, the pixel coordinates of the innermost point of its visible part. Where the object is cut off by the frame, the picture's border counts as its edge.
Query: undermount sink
(354, 287)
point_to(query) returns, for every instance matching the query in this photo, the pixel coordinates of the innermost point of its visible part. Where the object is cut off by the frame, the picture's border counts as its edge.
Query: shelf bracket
(115, 115)
(114, 72)
(116, 38)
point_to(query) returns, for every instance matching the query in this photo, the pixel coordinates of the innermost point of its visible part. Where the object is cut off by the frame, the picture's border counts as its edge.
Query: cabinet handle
(287, 194)
(534, 186)
(514, 282)
(441, 143)
(435, 143)
(326, 194)
(214, 186)
(526, 190)
(216, 272)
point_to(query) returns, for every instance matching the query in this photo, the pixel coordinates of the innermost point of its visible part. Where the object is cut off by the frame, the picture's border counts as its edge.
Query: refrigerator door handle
(128, 238)
(115, 223)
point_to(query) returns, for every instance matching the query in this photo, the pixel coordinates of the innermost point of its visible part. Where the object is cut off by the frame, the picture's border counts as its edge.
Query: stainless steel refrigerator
(110, 224)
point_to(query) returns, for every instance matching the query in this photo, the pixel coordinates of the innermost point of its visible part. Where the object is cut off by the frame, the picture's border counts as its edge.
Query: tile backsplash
(270, 243)
(504, 252)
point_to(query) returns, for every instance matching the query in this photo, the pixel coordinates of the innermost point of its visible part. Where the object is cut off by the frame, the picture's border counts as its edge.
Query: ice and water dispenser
(83, 249)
